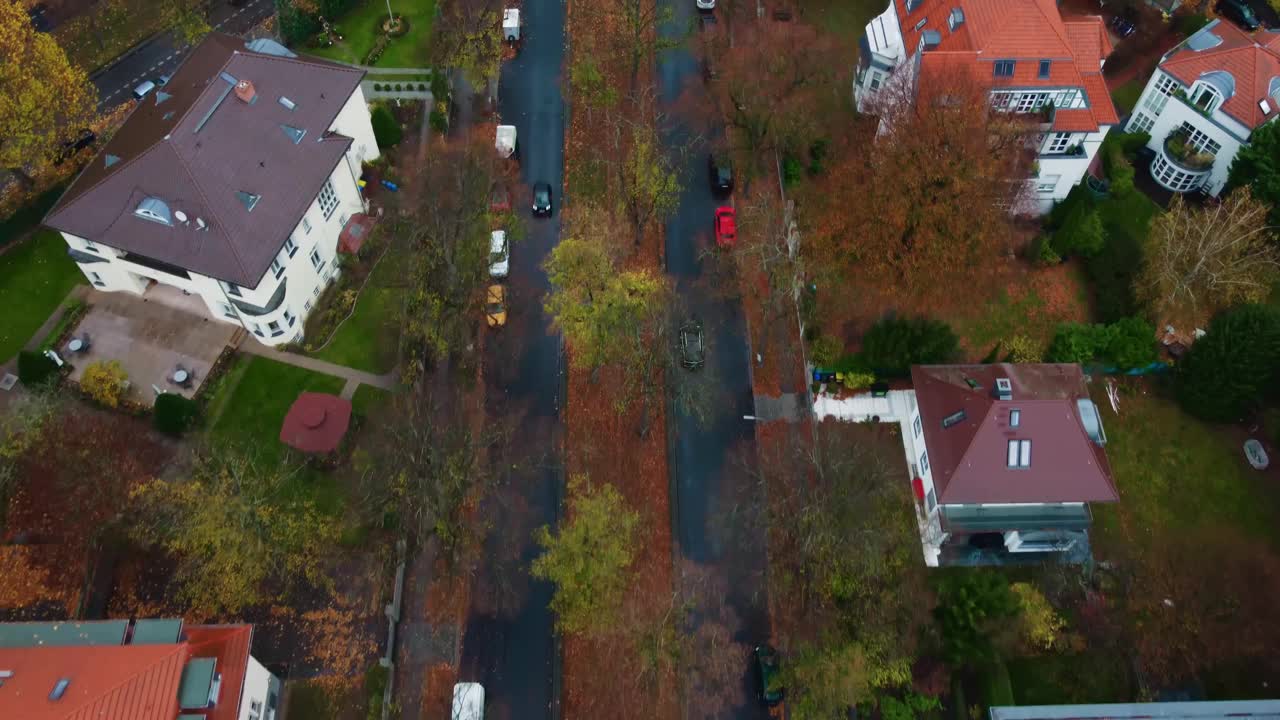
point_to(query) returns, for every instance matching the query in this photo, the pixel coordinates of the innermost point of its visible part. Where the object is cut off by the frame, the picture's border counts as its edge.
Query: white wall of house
(253, 697)
(1159, 112)
(354, 121)
(1060, 172)
(306, 268)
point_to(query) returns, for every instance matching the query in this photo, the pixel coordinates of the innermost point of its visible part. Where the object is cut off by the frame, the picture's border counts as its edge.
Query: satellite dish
(200, 223)
(182, 217)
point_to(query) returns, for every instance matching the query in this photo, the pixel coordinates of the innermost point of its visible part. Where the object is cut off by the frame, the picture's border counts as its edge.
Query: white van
(468, 702)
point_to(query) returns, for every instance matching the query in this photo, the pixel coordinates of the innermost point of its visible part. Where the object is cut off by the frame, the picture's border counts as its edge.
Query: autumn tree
(1202, 260)
(651, 189)
(186, 18)
(468, 37)
(767, 251)
(233, 528)
(44, 99)
(929, 195)
(589, 558)
(774, 82)
(105, 381)
(641, 38)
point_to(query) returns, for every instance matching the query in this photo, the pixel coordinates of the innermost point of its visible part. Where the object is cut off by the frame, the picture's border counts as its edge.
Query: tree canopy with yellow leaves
(44, 99)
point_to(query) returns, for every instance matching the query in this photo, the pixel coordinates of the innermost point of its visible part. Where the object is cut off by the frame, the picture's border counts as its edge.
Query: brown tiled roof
(138, 682)
(968, 458)
(194, 145)
(1253, 61)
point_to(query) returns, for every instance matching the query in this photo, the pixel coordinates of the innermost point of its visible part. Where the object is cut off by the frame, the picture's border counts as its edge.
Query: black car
(693, 352)
(542, 199)
(767, 675)
(1240, 12)
(721, 173)
(1123, 27)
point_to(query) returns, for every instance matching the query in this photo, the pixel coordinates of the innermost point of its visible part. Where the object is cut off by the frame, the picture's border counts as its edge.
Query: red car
(726, 227)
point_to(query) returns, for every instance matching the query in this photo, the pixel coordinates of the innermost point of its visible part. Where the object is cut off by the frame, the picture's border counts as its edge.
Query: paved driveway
(508, 641)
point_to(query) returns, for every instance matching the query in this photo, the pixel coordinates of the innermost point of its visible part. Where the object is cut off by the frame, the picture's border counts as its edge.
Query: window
(1019, 454)
(232, 289)
(1200, 141)
(248, 200)
(1160, 94)
(97, 279)
(274, 327)
(1004, 68)
(316, 291)
(923, 21)
(917, 425)
(1058, 143)
(328, 199)
(306, 225)
(155, 210)
(88, 245)
(227, 310)
(289, 317)
(931, 501)
(873, 80)
(1141, 123)
(286, 103)
(924, 462)
(317, 262)
(342, 219)
(1015, 417)
(1173, 178)
(257, 330)
(1032, 101)
(1047, 183)
(1044, 69)
(1205, 97)
(290, 247)
(277, 267)
(306, 307)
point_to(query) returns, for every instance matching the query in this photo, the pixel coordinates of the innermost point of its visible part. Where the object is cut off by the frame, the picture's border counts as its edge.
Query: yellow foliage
(1022, 349)
(1041, 625)
(105, 381)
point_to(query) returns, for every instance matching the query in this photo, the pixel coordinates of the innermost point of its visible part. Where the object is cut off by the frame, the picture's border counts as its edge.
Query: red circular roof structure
(316, 422)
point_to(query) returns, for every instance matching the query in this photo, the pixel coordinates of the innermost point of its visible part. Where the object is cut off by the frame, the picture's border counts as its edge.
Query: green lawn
(370, 338)
(35, 277)
(369, 399)
(1174, 471)
(1126, 96)
(361, 26)
(1089, 677)
(253, 408)
(845, 18)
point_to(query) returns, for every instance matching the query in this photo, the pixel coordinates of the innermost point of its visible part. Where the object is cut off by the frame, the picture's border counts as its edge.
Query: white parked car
(499, 254)
(468, 702)
(706, 4)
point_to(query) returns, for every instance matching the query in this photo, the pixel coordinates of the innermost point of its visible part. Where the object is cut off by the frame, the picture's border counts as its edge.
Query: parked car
(1239, 12)
(721, 170)
(499, 254)
(542, 199)
(706, 4)
(726, 227)
(468, 701)
(495, 306)
(1123, 27)
(144, 89)
(162, 80)
(767, 675)
(693, 351)
(500, 200)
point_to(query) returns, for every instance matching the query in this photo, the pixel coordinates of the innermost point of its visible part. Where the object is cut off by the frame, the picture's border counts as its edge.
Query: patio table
(181, 376)
(76, 345)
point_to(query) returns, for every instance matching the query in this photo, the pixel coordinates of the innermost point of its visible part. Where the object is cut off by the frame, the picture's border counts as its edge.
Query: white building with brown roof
(232, 182)
(1204, 101)
(1030, 56)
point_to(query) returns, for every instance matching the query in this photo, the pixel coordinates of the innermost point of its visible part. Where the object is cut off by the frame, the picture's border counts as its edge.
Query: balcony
(1184, 155)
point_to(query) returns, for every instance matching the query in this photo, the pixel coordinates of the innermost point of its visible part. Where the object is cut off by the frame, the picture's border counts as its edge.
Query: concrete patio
(151, 336)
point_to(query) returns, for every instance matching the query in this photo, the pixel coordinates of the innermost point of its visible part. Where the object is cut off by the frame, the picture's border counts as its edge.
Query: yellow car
(495, 306)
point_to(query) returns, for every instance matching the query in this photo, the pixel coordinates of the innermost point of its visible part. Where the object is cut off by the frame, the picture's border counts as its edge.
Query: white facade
(1167, 106)
(275, 310)
(260, 696)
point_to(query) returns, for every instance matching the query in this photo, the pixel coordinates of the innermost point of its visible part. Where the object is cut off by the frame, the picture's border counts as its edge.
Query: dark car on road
(767, 675)
(542, 199)
(721, 170)
(693, 351)
(1239, 12)
(1122, 26)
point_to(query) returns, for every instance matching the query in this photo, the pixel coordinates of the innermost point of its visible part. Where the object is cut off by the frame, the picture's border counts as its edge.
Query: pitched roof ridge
(204, 198)
(1058, 26)
(58, 209)
(310, 60)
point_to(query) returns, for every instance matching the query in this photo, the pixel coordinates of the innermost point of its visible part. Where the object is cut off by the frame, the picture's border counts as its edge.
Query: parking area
(153, 337)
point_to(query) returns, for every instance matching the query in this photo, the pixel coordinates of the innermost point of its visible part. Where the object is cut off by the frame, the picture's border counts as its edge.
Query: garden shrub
(1081, 234)
(399, 87)
(422, 87)
(893, 345)
(439, 87)
(105, 381)
(1126, 219)
(175, 414)
(855, 379)
(1189, 24)
(439, 123)
(1128, 343)
(1022, 349)
(1041, 252)
(818, 156)
(972, 605)
(386, 130)
(34, 368)
(377, 87)
(1225, 373)
(790, 171)
(1119, 170)
(824, 350)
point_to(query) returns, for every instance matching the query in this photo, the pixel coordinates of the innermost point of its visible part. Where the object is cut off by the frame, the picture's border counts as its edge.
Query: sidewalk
(354, 378)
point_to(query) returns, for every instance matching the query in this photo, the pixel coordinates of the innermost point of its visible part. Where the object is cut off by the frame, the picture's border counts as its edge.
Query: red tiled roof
(1252, 61)
(230, 645)
(137, 682)
(968, 458)
(1026, 31)
(1074, 120)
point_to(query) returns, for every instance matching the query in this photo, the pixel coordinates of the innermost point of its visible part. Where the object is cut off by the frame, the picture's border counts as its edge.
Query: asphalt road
(507, 644)
(720, 520)
(160, 55)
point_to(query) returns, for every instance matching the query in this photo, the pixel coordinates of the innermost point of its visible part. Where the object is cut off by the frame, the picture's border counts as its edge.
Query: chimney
(244, 91)
(1004, 389)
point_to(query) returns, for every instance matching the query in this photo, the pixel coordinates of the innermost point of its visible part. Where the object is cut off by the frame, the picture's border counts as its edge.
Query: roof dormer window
(155, 210)
(1205, 97)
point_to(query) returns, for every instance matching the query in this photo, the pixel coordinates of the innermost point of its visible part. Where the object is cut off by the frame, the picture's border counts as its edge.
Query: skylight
(954, 418)
(59, 689)
(1019, 454)
(108, 160)
(293, 133)
(1015, 417)
(248, 199)
(287, 103)
(161, 96)
(155, 210)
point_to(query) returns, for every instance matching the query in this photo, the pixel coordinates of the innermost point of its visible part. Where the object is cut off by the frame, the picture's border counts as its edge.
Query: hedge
(175, 414)
(35, 368)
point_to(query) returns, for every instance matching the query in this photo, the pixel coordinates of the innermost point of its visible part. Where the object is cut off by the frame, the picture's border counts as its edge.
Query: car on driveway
(706, 5)
(495, 306)
(1239, 12)
(721, 171)
(542, 199)
(726, 227)
(499, 254)
(693, 351)
(767, 675)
